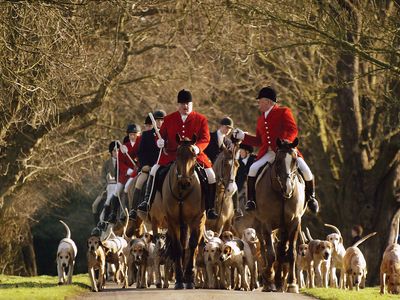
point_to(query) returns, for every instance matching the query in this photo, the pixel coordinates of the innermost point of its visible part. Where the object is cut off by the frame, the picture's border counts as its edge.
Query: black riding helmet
(111, 146)
(133, 128)
(159, 114)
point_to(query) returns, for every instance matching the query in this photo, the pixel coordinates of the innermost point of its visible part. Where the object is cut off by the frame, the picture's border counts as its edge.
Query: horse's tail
(364, 239)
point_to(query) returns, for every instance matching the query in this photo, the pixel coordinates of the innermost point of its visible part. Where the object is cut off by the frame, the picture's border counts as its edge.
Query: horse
(225, 168)
(184, 207)
(280, 206)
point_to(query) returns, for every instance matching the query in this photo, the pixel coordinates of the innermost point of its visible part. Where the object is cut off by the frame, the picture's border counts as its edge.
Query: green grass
(337, 294)
(41, 287)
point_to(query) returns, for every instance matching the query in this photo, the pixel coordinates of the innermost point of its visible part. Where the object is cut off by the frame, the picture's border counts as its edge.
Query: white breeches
(209, 172)
(118, 189)
(127, 184)
(270, 157)
(307, 174)
(267, 157)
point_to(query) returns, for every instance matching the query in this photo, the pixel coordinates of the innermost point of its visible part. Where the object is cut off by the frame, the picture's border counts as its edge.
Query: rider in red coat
(275, 122)
(186, 123)
(126, 170)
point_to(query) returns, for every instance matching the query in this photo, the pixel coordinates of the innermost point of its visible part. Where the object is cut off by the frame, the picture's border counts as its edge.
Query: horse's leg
(292, 286)
(175, 252)
(268, 274)
(281, 258)
(193, 243)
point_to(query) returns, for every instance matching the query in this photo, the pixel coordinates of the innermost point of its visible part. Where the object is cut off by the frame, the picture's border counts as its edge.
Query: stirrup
(212, 214)
(250, 205)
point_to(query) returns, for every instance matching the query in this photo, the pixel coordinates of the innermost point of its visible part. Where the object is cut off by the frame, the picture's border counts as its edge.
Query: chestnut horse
(280, 205)
(184, 208)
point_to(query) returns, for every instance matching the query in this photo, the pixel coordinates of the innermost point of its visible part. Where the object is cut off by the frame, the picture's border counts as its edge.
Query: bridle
(290, 175)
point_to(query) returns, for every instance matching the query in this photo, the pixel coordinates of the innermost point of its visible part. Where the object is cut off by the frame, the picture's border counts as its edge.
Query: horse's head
(226, 164)
(185, 160)
(286, 166)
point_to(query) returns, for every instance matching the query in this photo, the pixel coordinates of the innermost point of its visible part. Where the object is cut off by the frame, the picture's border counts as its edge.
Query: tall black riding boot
(251, 193)
(312, 202)
(236, 207)
(148, 196)
(115, 206)
(211, 213)
(135, 201)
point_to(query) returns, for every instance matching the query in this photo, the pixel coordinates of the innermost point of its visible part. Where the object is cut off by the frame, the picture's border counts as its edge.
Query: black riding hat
(133, 128)
(184, 96)
(159, 114)
(147, 121)
(267, 92)
(111, 146)
(227, 122)
(246, 147)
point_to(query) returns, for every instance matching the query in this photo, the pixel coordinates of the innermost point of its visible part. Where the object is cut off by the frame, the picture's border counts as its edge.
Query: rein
(290, 175)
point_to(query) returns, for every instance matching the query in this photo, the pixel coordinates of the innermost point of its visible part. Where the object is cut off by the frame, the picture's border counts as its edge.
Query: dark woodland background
(74, 73)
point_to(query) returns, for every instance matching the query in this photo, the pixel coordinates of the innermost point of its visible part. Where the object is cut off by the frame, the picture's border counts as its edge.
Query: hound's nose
(356, 281)
(326, 256)
(64, 265)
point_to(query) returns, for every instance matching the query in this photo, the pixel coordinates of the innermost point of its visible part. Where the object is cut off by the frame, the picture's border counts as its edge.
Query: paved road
(113, 292)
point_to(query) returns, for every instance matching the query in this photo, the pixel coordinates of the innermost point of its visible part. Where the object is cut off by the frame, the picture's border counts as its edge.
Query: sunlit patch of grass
(41, 287)
(338, 294)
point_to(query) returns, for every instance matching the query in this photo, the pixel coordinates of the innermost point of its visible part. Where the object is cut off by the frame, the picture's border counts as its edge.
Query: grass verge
(337, 294)
(41, 287)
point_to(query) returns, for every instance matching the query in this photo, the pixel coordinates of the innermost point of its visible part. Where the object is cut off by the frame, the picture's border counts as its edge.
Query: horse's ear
(295, 143)
(178, 138)
(194, 138)
(279, 142)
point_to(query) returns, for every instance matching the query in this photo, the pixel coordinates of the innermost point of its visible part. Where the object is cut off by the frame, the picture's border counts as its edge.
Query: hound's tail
(67, 228)
(397, 231)
(364, 239)
(309, 235)
(334, 228)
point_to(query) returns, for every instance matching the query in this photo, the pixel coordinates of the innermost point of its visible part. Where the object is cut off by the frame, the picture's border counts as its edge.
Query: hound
(138, 256)
(337, 256)
(252, 254)
(355, 266)
(211, 255)
(66, 254)
(227, 236)
(96, 259)
(390, 266)
(161, 258)
(301, 261)
(318, 261)
(232, 257)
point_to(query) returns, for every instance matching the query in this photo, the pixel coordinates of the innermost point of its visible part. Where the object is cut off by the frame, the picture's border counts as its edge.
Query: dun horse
(184, 208)
(280, 205)
(225, 168)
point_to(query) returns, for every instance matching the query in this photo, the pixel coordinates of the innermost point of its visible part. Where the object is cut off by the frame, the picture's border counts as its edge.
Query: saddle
(163, 171)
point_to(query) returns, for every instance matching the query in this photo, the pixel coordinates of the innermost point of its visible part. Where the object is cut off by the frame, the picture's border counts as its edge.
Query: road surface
(113, 292)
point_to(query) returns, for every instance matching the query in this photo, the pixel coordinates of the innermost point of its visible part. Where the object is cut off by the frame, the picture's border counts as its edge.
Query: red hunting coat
(278, 124)
(124, 163)
(194, 124)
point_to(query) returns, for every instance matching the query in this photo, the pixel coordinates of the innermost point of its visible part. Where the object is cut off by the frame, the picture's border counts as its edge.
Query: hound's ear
(228, 250)
(341, 239)
(295, 143)
(178, 138)
(194, 138)
(279, 142)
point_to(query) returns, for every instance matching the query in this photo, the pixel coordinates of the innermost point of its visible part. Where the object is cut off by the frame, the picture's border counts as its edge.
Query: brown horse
(225, 168)
(184, 207)
(280, 205)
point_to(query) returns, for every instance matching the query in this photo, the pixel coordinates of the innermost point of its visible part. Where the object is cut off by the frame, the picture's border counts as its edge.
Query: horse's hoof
(269, 288)
(179, 286)
(60, 283)
(293, 288)
(189, 285)
(159, 285)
